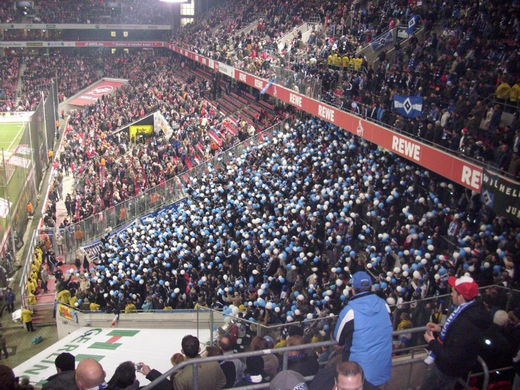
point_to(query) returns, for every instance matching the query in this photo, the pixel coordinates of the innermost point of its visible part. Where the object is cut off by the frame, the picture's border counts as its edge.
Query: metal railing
(219, 322)
(408, 354)
(307, 84)
(194, 362)
(442, 303)
(412, 360)
(27, 265)
(289, 36)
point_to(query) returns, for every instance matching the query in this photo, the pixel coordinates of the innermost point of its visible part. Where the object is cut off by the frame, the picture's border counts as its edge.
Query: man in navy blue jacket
(364, 329)
(456, 345)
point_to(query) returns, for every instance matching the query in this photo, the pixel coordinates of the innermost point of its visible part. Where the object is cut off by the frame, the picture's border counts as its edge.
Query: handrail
(27, 265)
(486, 372)
(247, 29)
(263, 329)
(201, 309)
(193, 362)
(303, 27)
(283, 350)
(368, 46)
(274, 327)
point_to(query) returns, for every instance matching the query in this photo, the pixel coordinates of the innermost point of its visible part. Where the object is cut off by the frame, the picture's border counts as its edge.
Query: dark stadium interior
(260, 194)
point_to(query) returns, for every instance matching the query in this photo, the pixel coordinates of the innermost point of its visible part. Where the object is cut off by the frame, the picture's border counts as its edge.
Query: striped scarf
(452, 318)
(431, 356)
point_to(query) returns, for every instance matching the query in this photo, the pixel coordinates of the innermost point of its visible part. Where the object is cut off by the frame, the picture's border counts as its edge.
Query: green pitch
(11, 134)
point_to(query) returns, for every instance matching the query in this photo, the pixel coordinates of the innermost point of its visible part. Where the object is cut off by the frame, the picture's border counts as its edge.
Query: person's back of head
(7, 378)
(124, 376)
(190, 346)
(225, 343)
(288, 380)
(269, 340)
(24, 382)
(361, 282)
(213, 350)
(295, 340)
(258, 343)
(89, 374)
(501, 318)
(295, 331)
(65, 362)
(349, 373)
(177, 358)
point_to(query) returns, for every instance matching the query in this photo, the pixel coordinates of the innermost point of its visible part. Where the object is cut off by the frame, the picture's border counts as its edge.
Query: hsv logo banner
(408, 106)
(91, 95)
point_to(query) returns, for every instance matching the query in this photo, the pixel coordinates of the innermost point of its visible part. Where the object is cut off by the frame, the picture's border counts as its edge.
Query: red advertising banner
(92, 94)
(445, 164)
(119, 44)
(138, 44)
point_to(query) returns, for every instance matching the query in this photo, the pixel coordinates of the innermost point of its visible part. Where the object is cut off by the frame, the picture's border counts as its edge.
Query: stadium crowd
(456, 67)
(211, 374)
(276, 235)
(76, 72)
(88, 12)
(9, 70)
(108, 166)
(92, 130)
(271, 236)
(459, 70)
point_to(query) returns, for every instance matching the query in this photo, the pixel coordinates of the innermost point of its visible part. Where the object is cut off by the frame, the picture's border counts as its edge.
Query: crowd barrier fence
(407, 372)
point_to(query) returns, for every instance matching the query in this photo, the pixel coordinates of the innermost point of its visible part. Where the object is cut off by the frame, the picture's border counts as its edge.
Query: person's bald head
(89, 374)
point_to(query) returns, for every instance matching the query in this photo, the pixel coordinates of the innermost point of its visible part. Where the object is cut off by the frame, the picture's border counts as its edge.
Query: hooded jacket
(462, 343)
(364, 329)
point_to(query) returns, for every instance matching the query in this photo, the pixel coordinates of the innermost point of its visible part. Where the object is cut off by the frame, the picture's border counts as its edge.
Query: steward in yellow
(514, 95)
(130, 308)
(27, 316)
(503, 91)
(63, 297)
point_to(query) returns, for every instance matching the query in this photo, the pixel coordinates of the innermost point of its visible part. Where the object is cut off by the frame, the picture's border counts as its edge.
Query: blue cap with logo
(361, 281)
